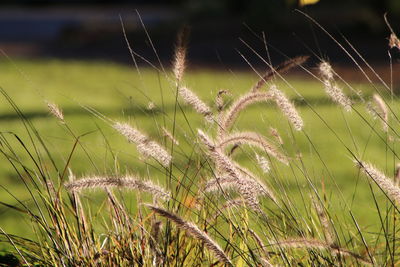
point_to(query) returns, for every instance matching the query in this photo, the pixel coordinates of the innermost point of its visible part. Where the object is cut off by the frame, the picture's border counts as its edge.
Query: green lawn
(120, 93)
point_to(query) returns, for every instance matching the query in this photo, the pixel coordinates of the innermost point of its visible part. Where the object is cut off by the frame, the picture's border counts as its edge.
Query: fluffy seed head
(394, 41)
(194, 231)
(282, 68)
(125, 182)
(224, 163)
(151, 106)
(55, 111)
(381, 110)
(144, 145)
(287, 108)
(253, 139)
(192, 99)
(331, 88)
(264, 163)
(386, 184)
(240, 104)
(180, 55)
(325, 70)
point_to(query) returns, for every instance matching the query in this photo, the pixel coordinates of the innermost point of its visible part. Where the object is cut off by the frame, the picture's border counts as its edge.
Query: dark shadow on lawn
(144, 111)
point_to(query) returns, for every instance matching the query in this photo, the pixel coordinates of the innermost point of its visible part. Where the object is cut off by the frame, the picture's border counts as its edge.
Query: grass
(119, 92)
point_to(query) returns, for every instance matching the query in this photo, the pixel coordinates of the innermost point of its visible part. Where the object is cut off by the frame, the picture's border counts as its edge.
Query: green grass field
(121, 93)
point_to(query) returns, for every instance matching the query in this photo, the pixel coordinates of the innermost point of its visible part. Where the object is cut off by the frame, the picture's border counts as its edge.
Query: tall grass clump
(219, 192)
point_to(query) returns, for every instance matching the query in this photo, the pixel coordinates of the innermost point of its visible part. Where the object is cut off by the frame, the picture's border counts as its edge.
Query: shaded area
(66, 30)
(143, 111)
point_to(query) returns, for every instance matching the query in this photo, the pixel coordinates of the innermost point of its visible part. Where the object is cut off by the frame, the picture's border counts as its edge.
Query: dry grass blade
(326, 225)
(262, 246)
(167, 134)
(305, 243)
(126, 182)
(241, 103)
(251, 138)
(195, 232)
(219, 101)
(281, 69)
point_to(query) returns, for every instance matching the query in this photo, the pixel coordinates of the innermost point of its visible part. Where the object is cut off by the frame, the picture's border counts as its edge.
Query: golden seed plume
(331, 88)
(192, 230)
(287, 108)
(192, 99)
(124, 182)
(263, 163)
(386, 184)
(254, 139)
(55, 111)
(382, 111)
(394, 41)
(241, 103)
(222, 162)
(281, 69)
(179, 62)
(145, 146)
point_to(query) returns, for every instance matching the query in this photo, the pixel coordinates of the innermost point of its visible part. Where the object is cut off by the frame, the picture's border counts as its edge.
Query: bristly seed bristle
(382, 111)
(253, 139)
(55, 111)
(192, 99)
(195, 232)
(263, 163)
(144, 145)
(124, 182)
(179, 62)
(386, 184)
(331, 88)
(287, 108)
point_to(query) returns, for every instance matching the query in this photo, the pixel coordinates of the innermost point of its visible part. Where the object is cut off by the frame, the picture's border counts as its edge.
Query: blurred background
(91, 29)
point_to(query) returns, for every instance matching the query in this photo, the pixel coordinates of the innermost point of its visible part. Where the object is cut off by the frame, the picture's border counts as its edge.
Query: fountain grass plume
(55, 111)
(192, 99)
(145, 146)
(287, 108)
(382, 111)
(194, 231)
(125, 182)
(331, 88)
(255, 139)
(386, 184)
